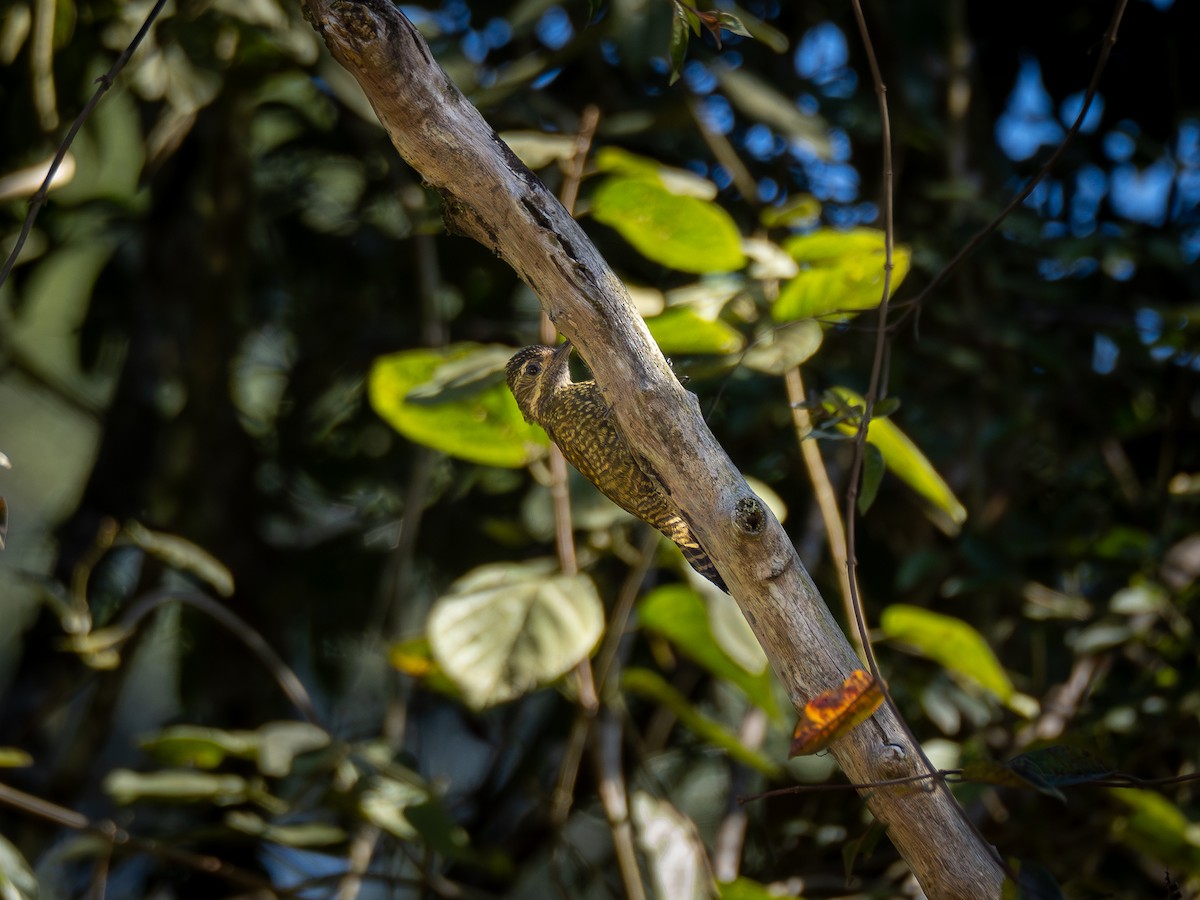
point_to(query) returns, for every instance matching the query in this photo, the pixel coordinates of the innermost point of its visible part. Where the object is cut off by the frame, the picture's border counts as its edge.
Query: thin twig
(1109, 41)
(835, 532)
(289, 682)
(607, 751)
(120, 839)
(104, 82)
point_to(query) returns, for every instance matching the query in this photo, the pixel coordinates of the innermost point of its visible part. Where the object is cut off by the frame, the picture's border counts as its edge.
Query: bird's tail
(679, 532)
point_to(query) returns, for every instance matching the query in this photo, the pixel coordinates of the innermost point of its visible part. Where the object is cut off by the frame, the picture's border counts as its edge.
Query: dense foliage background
(186, 346)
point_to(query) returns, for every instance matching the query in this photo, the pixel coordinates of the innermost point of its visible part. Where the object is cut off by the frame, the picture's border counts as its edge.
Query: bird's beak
(563, 352)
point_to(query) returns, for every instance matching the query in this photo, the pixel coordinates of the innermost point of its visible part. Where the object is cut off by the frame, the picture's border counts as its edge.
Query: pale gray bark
(490, 196)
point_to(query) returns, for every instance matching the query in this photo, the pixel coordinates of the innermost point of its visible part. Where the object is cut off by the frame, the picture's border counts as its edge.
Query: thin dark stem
(105, 81)
(289, 682)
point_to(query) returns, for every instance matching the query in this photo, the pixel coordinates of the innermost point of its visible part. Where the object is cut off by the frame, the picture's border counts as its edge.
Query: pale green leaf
(504, 630)
(784, 347)
(197, 746)
(906, 461)
(279, 743)
(672, 849)
(463, 413)
(683, 233)
(950, 642)
(176, 786)
(306, 834)
(180, 553)
(680, 331)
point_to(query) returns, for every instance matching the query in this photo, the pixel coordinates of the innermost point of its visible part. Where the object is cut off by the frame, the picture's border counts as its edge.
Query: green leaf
(951, 642)
(904, 459)
(653, 686)
(872, 474)
(684, 233)
(386, 801)
(842, 272)
(784, 347)
(459, 411)
(677, 51)
(677, 613)
(744, 889)
(680, 331)
(504, 630)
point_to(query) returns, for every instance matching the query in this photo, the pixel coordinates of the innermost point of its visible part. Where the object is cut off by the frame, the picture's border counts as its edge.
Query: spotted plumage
(580, 422)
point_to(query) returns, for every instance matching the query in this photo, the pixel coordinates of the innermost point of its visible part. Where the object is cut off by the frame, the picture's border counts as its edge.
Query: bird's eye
(532, 369)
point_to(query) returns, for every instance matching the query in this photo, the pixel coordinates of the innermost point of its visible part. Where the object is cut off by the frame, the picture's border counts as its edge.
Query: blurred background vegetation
(240, 365)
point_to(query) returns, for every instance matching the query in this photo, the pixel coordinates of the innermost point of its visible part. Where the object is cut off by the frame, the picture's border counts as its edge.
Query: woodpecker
(578, 420)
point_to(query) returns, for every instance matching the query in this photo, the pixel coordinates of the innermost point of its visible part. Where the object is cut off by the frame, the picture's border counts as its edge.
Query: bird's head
(536, 372)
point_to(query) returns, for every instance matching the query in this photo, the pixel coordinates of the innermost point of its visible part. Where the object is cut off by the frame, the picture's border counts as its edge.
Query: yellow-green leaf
(952, 643)
(679, 331)
(841, 272)
(906, 461)
(459, 412)
(684, 233)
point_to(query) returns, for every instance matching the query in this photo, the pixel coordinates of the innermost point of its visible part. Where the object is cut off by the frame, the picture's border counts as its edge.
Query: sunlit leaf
(652, 686)
(834, 713)
(504, 630)
(841, 272)
(672, 848)
(618, 161)
(768, 261)
(951, 642)
(683, 233)
(180, 553)
(745, 889)
(386, 801)
(679, 331)
(784, 347)
(677, 613)
(479, 421)
(904, 459)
